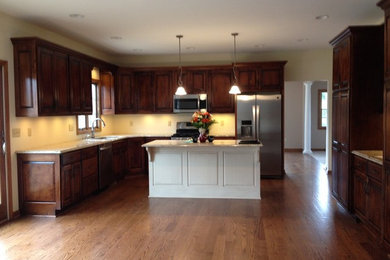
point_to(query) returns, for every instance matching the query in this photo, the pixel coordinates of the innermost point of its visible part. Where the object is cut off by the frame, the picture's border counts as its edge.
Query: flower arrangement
(202, 120)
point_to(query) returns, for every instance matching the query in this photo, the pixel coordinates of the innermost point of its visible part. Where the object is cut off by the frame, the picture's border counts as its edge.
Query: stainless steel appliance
(184, 130)
(106, 175)
(189, 103)
(259, 118)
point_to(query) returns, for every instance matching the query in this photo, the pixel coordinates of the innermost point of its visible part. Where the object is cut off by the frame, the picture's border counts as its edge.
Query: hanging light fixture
(180, 89)
(234, 89)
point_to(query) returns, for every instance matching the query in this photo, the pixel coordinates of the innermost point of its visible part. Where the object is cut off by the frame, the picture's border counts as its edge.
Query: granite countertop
(80, 144)
(375, 156)
(184, 143)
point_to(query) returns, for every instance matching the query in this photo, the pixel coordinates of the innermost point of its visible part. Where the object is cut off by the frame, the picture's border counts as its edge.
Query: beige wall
(293, 114)
(302, 65)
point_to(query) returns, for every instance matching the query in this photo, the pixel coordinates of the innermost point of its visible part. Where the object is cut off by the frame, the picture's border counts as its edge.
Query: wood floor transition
(296, 219)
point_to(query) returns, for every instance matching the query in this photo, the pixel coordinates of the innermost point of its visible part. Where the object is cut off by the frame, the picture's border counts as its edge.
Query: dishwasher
(106, 174)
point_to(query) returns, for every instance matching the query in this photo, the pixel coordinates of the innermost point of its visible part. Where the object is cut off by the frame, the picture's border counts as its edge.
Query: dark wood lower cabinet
(90, 170)
(386, 224)
(368, 194)
(135, 156)
(119, 153)
(70, 184)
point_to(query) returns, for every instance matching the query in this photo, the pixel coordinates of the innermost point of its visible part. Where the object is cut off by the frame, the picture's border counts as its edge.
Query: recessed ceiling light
(322, 17)
(80, 16)
(116, 38)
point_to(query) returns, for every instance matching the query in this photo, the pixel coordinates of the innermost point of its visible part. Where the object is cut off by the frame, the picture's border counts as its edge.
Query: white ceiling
(151, 26)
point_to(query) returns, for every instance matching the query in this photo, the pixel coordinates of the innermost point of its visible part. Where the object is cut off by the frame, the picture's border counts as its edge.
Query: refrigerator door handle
(254, 121)
(258, 122)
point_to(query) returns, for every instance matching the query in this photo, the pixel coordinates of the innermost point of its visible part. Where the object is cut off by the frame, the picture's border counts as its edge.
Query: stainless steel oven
(189, 103)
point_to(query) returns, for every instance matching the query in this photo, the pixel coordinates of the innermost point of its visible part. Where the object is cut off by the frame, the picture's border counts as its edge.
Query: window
(322, 108)
(84, 121)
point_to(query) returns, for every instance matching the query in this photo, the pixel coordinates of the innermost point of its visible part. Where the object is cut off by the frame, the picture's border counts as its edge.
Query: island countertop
(187, 144)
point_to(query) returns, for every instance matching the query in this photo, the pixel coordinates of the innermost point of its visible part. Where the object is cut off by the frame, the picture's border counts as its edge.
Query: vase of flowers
(203, 121)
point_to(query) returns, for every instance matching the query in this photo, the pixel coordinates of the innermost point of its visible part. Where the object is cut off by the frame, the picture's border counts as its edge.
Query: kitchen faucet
(93, 128)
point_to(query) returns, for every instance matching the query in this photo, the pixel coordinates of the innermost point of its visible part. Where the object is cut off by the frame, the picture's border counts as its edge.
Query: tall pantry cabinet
(357, 101)
(385, 5)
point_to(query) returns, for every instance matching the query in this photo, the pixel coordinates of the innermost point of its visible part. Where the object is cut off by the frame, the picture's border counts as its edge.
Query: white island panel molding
(222, 169)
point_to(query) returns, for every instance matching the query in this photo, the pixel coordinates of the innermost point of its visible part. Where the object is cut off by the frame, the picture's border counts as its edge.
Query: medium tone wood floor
(296, 219)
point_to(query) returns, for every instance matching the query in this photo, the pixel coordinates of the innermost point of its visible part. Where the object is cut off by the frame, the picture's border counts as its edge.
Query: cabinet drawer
(90, 166)
(359, 163)
(71, 157)
(89, 152)
(375, 171)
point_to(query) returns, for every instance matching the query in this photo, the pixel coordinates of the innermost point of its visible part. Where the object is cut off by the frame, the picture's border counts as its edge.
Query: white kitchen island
(222, 169)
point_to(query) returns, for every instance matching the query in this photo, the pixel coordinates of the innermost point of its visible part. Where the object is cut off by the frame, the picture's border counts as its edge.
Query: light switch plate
(70, 128)
(29, 132)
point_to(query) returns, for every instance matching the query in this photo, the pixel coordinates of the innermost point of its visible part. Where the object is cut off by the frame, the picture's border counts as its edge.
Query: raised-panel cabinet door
(345, 63)
(198, 82)
(75, 85)
(125, 94)
(61, 83)
(335, 170)
(76, 182)
(387, 44)
(359, 199)
(336, 68)
(163, 93)
(107, 100)
(135, 156)
(66, 185)
(86, 86)
(343, 116)
(143, 83)
(220, 101)
(387, 204)
(386, 115)
(374, 204)
(343, 178)
(248, 79)
(271, 80)
(335, 116)
(46, 93)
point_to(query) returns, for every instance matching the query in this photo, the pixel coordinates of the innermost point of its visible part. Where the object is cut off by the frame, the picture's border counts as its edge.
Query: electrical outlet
(169, 123)
(15, 132)
(70, 128)
(131, 123)
(222, 123)
(29, 132)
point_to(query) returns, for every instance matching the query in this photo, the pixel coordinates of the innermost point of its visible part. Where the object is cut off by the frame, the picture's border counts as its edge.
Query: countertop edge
(361, 153)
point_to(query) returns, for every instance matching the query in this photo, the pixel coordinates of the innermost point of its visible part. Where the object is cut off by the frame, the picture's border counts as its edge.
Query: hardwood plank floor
(296, 219)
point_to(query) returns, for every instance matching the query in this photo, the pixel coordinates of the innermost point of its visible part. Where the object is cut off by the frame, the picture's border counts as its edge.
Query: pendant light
(180, 89)
(234, 89)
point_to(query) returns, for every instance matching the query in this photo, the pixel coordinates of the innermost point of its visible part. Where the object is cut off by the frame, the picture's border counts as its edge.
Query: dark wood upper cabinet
(107, 96)
(143, 83)
(195, 81)
(51, 80)
(219, 99)
(125, 94)
(163, 91)
(80, 86)
(248, 79)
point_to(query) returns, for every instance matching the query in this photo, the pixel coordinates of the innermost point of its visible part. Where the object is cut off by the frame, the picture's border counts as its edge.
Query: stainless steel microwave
(189, 103)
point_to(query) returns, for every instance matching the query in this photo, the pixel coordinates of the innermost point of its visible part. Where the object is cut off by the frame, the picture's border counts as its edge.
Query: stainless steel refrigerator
(259, 118)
